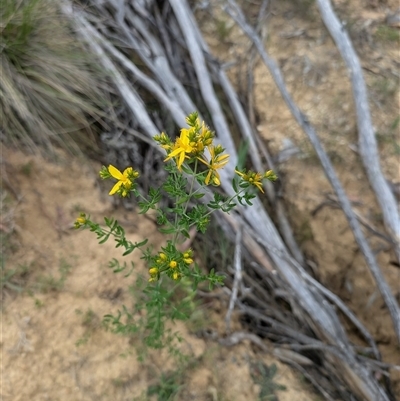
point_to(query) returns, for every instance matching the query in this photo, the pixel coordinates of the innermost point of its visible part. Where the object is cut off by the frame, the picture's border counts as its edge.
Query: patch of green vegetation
(147, 320)
(91, 322)
(168, 386)
(303, 8)
(8, 245)
(38, 303)
(142, 397)
(304, 232)
(223, 28)
(264, 376)
(387, 34)
(391, 137)
(48, 283)
(11, 278)
(26, 168)
(383, 89)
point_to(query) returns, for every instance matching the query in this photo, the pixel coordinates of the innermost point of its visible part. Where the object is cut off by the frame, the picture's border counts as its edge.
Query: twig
(237, 279)
(238, 336)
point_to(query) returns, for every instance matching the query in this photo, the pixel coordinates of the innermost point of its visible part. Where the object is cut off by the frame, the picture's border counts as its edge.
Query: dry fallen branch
(237, 278)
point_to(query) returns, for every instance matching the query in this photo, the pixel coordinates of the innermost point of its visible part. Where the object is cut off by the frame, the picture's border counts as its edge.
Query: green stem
(194, 175)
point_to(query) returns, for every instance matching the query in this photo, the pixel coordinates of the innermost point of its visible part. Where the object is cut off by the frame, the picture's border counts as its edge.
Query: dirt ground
(53, 346)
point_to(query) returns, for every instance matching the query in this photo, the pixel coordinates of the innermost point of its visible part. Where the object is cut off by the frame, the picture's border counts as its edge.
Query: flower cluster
(194, 153)
(125, 181)
(191, 145)
(173, 263)
(253, 178)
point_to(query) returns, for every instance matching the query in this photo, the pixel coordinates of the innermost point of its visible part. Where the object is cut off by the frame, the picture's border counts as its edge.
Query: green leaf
(144, 242)
(128, 251)
(167, 230)
(248, 201)
(234, 185)
(182, 200)
(185, 234)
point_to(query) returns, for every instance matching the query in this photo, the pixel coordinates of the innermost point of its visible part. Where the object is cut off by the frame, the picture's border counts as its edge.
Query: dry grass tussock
(50, 88)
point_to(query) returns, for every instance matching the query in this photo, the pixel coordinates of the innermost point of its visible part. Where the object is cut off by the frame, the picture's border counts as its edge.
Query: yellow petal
(115, 172)
(259, 186)
(115, 188)
(216, 180)
(239, 173)
(204, 161)
(222, 158)
(211, 150)
(181, 159)
(220, 164)
(174, 153)
(207, 180)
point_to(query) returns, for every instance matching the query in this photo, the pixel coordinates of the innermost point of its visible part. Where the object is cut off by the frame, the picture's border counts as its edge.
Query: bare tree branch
(237, 278)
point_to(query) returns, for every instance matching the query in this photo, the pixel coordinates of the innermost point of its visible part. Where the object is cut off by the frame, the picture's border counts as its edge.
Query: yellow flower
(154, 274)
(206, 135)
(173, 264)
(80, 221)
(181, 148)
(124, 179)
(217, 161)
(270, 175)
(187, 257)
(252, 178)
(175, 275)
(153, 271)
(162, 257)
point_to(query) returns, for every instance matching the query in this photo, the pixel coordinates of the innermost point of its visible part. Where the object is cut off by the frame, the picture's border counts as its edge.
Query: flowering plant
(192, 163)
